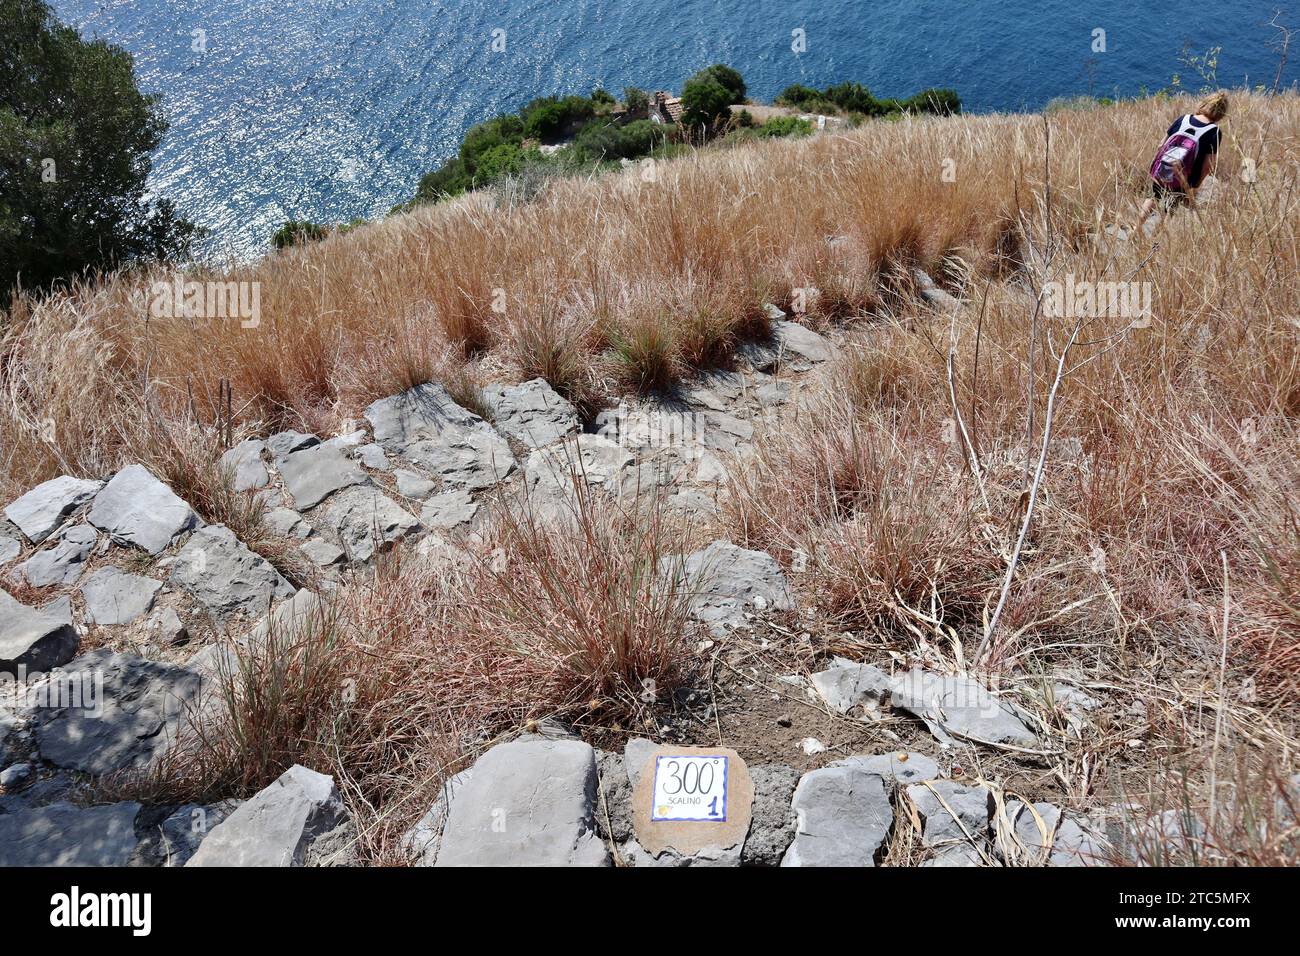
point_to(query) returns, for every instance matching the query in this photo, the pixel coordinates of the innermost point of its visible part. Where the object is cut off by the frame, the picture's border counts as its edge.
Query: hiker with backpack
(1189, 154)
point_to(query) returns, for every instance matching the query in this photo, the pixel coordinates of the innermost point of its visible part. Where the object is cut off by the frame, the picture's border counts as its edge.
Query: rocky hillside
(784, 454)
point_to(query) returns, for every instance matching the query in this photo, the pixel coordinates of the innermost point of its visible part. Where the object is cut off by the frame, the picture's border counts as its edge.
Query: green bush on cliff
(856, 98)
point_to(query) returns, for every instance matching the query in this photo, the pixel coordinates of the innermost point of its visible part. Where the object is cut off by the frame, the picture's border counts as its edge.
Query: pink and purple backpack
(1179, 153)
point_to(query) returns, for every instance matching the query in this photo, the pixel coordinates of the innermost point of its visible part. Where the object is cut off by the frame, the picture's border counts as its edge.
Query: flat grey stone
(63, 835)
(961, 815)
(842, 818)
(138, 509)
(532, 413)
(726, 581)
(113, 596)
(223, 575)
(451, 509)
(283, 444)
(13, 777)
(848, 684)
(322, 553)
(527, 803)
(316, 472)
(955, 854)
(722, 432)
(896, 769)
(41, 511)
(960, 707)
(13, 736)
(425, 426)
(771, 829)
(10, 548)
(636, 757)
(710, 856)
(423, 840)
(278, 826)
(124, 711)
(365, 518)
(801, 341)
(411, 484)
(373, 457)
(179, 834)
(167, 627)
(589, 459)
(36, 640)
(287, 523)
(1077, 845)
(245, 462)
(63, 560)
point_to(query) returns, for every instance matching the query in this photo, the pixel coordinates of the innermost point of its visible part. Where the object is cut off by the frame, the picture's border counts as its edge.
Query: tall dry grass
(897, 498)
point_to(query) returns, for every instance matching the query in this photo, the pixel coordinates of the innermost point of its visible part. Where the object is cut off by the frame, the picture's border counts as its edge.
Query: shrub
(294, 232)
(549, 119)
(785, 126)
(600, 142)
(637, 102)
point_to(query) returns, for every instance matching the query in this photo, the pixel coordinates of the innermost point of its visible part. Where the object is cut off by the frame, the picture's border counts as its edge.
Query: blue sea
(332, 109)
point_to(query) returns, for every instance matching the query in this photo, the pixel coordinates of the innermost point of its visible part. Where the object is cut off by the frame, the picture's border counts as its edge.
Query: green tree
(637, 103)
(730, 79)
(75, 142)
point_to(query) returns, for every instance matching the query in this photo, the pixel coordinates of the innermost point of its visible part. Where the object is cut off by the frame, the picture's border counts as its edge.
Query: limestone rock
(322, 553)
(113, 596)
(34, 639)
(423, 840)
(284, 444)
(318, 471)
(225, 576)
(138, 509)
(960, 707)
(62, 561)
(848, 684)
(366, 518)
(451, 509)
(61, 834)
(287, 523)
(10, 548)
(425, 426)
(527, 803)
(532, 413)
(896, 769)
(725, 580)
(245, 461)
(412, 484)
(278, 826)
(953, 812)
(123, 711)
(179, 834)
(842, 818)
(41, 511)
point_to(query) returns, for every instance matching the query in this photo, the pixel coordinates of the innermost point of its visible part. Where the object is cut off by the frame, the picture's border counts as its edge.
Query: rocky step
(543, 801)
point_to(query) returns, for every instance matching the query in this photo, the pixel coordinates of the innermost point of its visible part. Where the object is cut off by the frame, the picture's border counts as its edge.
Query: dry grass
(401, 676)
(1169, 488)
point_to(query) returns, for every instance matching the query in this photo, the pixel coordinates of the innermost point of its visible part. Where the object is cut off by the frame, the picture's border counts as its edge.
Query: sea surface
(332, 109)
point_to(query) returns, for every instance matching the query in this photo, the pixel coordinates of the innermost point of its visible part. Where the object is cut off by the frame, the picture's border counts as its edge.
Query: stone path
(127, 561)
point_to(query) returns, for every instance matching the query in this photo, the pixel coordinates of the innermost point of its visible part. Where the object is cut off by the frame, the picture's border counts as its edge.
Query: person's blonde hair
(1215, 106)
